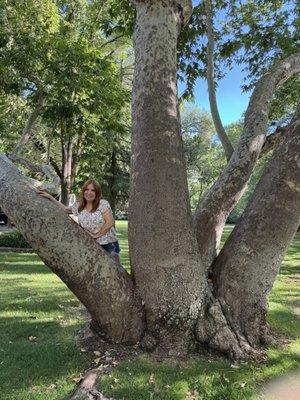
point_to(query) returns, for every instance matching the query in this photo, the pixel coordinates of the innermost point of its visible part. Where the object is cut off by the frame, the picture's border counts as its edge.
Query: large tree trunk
(104, 288)
(163, 248)
(248, 264)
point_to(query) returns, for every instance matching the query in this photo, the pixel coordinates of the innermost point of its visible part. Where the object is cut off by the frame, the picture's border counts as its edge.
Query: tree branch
(41, 147)
(44, 169)
(214, 208)
(27, 131)
(211, 84)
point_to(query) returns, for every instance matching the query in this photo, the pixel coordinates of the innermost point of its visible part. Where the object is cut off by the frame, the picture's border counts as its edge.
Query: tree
(67, 82)
(203, 153)
(167, 302)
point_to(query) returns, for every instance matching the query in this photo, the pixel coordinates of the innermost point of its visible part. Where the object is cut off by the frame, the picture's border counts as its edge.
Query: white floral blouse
(92, 221)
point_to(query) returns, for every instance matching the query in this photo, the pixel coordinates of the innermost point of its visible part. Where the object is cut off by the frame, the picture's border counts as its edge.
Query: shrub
(13, 239)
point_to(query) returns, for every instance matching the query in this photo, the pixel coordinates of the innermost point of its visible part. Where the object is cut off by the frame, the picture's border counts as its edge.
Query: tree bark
(104, 288)
(163, 249)
(227, 146)
(216, 205)
(246, 268)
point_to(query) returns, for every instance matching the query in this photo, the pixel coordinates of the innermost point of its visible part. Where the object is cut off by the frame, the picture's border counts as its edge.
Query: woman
(94, 215)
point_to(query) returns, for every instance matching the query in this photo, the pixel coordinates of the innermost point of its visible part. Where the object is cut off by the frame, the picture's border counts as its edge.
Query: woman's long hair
(98, 192)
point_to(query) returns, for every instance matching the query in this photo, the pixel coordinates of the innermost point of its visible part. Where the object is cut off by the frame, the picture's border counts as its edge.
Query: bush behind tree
(13, 239)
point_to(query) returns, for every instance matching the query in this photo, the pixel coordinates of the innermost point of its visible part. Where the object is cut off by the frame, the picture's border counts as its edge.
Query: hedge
(13, 239)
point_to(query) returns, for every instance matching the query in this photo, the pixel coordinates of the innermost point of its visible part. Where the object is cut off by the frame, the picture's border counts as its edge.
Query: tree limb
(105, 288)
(27, 131)
(249, 261)
(211, 84)
(41, 147)
(53, 186)
(214, 208)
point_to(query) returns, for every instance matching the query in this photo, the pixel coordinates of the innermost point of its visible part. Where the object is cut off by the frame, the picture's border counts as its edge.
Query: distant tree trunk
(27, 131)
(111, 181)
(67, 170)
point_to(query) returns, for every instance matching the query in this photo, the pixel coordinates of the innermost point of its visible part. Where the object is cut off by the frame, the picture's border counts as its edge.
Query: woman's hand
(95, 235)
(48, 196)
(45, 194)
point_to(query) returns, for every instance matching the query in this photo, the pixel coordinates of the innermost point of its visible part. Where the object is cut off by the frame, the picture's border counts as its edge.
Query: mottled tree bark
(104, 288)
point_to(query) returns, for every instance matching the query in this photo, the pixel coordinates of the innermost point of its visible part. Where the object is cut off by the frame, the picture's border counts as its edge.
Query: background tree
(80, 75)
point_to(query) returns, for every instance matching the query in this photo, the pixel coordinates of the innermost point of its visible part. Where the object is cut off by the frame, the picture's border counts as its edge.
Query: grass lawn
(39, 360)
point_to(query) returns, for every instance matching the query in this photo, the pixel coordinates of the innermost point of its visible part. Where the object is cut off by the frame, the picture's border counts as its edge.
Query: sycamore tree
(166, 302)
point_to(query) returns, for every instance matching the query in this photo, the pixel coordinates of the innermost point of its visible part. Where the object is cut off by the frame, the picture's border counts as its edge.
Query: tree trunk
(104, 288)
(67, 168)
(112, 193)
(163, 249)
(247, 266)
(27, 131)
(168, 263)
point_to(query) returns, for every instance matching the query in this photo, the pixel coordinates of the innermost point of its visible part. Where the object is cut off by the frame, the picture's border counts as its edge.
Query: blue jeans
(111, 247)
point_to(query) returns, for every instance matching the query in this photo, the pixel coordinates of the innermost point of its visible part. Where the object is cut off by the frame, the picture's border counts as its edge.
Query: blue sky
(232, 102)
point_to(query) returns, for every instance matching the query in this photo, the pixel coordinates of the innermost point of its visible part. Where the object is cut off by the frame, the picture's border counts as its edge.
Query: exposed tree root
(215, 331)
(87, 389)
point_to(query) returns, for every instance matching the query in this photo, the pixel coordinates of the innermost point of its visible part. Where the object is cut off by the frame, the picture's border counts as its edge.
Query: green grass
(35, 303)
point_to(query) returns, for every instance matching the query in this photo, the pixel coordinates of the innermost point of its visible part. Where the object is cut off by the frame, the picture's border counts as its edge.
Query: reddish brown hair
(98, 192)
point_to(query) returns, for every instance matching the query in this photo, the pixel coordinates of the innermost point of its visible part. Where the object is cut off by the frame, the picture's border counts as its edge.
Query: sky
(232, 102)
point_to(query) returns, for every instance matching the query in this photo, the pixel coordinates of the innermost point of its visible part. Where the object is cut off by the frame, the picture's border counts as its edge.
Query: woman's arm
(109, 222)
(53, 200)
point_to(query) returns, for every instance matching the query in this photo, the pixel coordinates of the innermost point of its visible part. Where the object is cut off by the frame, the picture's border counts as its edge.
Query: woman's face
(90, 193)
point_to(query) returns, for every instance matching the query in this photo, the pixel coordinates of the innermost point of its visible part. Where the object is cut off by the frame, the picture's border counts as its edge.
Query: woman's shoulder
(74, 207)
(103, 205)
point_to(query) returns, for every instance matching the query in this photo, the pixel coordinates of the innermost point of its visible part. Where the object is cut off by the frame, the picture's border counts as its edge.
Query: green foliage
(13, 239)
(254, 179)
(68, 56)
(204, 154)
